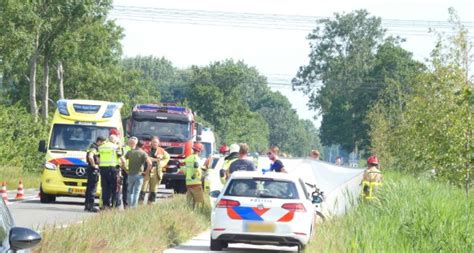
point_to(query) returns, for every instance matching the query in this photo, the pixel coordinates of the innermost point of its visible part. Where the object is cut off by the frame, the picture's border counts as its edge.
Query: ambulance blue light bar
(62, 107)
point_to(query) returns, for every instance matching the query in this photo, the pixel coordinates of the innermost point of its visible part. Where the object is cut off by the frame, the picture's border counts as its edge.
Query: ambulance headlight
(50, 166)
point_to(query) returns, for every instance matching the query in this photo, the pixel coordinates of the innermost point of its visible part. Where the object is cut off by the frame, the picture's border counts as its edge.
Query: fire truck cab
(177, 129)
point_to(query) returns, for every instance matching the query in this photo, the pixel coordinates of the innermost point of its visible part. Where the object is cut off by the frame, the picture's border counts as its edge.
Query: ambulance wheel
(46, 198)
(217, 245)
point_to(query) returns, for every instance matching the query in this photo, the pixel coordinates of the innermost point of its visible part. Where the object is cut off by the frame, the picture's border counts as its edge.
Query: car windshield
(262, 188)
(75, 137)
(167, 131)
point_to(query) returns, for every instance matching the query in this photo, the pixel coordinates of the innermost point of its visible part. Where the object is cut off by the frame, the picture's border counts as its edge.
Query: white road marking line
(13, 200)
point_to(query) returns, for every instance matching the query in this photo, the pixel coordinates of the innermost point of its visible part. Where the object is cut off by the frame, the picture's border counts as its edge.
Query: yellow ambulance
(76, 125)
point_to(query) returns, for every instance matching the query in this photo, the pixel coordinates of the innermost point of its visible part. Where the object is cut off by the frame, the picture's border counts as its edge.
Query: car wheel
(225, 244)
(216, 245)
(46, 198)
(301, 248)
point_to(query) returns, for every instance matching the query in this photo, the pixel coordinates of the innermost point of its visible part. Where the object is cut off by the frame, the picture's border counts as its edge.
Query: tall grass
(411, 215)
(144, 229)
(12, 175)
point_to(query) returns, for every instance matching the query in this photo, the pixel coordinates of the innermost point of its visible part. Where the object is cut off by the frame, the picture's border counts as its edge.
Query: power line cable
(264, 17)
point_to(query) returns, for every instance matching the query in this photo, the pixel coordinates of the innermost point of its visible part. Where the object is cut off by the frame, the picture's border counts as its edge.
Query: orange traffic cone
(20, 193)
(3, 191)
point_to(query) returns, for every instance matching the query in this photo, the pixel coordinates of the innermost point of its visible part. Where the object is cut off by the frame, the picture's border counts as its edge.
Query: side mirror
(215, 194)
(125, 124)
(199, 128)
(23, 238)
(42, 146)
(317, 199)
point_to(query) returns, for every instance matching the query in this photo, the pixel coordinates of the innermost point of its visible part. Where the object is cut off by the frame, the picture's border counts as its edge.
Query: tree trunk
(45, 86)
(60, 73)
(32, 79)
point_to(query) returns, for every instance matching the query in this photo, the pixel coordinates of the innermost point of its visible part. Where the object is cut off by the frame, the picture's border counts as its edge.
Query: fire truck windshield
(75, 137)
(166, 130)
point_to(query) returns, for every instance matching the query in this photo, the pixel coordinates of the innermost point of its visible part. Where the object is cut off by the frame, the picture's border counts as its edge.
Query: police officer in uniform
(111, 158)
(92, 174)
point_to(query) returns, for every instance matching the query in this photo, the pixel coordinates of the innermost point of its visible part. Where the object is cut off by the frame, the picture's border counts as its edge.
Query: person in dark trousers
(243, 163)
(276, 164)
(92, 159)
(110, 160)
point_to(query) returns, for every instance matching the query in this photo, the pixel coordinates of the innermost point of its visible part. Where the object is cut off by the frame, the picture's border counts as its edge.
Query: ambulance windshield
(75, 137)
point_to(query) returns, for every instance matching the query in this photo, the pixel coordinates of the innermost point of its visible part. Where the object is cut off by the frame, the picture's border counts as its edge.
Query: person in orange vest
(193, 174)
(152, 180)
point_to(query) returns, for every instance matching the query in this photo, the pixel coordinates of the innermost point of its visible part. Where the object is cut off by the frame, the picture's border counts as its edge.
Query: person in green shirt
(138, 160)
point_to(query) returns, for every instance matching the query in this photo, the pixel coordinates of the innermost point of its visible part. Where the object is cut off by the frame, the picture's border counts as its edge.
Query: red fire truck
(177, 129)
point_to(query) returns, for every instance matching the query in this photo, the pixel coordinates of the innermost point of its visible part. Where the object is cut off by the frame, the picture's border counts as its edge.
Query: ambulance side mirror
(42, 146)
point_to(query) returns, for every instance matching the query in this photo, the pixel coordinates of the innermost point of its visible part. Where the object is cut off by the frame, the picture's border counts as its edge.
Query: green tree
(159, 74)
(75, 37)
(215, 93)
(341, 59)
(431, 129)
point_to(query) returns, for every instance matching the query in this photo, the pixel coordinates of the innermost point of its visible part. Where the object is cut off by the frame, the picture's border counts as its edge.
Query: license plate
(259, 227)
(75, 190)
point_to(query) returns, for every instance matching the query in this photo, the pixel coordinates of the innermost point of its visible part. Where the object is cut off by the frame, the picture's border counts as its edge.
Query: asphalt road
(66, 210)
(201, 243)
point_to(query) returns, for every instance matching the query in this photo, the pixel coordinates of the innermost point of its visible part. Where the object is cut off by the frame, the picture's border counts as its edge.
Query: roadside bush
(429, 127)
(21, 135)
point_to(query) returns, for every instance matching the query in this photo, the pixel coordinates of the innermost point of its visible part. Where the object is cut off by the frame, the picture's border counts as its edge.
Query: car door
(6, 223)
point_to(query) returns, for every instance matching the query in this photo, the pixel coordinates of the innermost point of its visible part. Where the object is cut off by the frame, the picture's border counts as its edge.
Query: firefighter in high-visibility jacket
(193, 174)
(228, 160)
(110, 160)
(371, 179)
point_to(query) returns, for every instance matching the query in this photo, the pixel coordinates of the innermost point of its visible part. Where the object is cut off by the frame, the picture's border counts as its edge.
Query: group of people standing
(237, 158)
(126, 173)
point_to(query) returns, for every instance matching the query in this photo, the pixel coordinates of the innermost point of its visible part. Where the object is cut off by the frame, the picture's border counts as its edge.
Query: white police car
(266, 209)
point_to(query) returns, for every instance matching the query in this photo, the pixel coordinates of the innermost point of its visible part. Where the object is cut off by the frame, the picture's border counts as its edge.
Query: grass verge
(411, 215)
(144, 229)
(12, 175)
